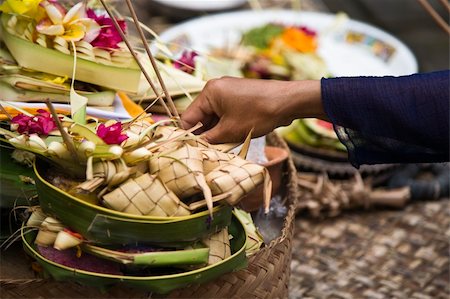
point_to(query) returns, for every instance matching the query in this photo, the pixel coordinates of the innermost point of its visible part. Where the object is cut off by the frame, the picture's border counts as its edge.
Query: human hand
(230, 107)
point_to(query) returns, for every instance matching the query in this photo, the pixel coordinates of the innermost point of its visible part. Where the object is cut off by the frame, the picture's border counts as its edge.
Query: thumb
(216, 134)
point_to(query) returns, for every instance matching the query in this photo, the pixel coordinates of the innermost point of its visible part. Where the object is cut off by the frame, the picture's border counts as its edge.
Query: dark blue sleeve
(391, 119)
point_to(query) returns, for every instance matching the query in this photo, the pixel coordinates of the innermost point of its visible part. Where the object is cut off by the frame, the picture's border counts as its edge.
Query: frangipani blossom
(29, 8)
(72, 25)
(111, 134)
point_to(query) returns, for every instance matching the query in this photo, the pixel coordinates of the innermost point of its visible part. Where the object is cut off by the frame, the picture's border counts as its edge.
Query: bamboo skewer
(130, 48)
(127, 125)
(437, 18)
(446, 4)
(65, 136)
(152, 60)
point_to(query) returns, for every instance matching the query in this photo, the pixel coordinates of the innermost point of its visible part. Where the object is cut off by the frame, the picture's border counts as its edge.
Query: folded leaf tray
(159, 284)
(36, 57)
(104, 226)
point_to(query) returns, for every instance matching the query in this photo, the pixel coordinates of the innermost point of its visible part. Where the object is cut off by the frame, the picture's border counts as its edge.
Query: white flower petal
(92, 29)
(54, 13)
(50, 29)
(76, 12)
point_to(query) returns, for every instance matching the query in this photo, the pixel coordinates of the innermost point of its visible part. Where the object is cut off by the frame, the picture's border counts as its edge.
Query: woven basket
(267, 275)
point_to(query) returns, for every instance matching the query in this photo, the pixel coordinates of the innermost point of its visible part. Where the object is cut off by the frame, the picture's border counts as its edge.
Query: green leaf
(78, 103)
(86, 132)
(261, 37)
(13, 189)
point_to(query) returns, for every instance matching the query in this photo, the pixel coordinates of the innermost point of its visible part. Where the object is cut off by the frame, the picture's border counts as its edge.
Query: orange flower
(299, 40)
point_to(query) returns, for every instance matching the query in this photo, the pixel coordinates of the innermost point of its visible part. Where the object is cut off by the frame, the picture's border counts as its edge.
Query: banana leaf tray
(159, 284)
(105, 226)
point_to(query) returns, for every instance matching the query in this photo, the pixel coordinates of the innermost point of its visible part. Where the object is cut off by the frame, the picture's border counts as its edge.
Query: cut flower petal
(111, 134)
(108, 37)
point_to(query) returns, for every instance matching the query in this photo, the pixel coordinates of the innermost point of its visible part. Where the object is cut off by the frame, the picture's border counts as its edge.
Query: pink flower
(186, 63)
(109, 37)
(112, 134)
(307, 31)
(41, 123)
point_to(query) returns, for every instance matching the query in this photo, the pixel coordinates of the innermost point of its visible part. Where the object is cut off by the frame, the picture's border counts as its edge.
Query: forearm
(301, 99)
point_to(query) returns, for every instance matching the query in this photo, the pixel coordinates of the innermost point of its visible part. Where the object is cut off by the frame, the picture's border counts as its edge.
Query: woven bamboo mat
(374, 254)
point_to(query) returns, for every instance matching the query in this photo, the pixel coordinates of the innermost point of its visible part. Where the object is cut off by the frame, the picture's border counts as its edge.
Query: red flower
(112, 134)
(40, 124)
(186, 63)
(109, 37)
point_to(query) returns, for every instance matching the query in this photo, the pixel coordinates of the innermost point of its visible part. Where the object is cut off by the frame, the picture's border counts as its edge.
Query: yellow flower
(29, 8)
(73, 25)
(55, 79)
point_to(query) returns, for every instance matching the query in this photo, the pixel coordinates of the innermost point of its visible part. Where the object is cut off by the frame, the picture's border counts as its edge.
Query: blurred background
(409, 22)
(405, 19)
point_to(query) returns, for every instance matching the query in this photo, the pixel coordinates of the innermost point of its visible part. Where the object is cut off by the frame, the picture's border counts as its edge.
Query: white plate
(208, 5)
(372, 53)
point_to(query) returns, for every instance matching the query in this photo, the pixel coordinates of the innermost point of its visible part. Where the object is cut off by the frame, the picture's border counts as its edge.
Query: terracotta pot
(276, 157)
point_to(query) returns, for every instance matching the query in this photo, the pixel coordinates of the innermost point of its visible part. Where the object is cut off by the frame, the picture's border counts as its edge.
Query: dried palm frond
(239, 177)
(145, 195)
(37, 217)
(48, 231)
(182, 171)
(219, 246)
(213, 159)
(66, 239)
(181, 136)
(109, 172)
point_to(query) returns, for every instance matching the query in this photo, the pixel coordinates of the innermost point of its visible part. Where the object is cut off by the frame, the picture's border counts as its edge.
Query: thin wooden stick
(130, 48)
(151, 140)
(65, 136)
(439, 20)
(152, 60)
(128, 124)
(446, 4)
(196, 127)
(5, 112)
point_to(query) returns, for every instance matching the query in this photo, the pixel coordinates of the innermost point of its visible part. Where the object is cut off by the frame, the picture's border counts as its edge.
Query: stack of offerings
(49, 50)
(156, 209)
(145, 203)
